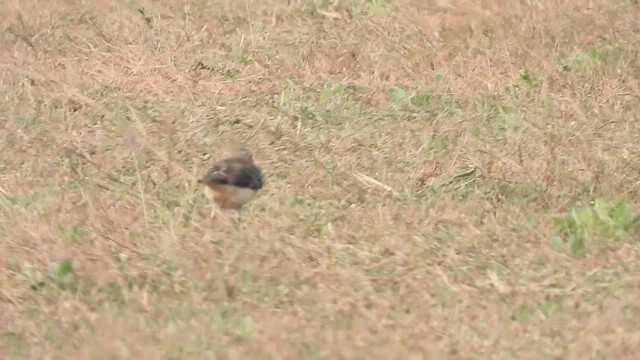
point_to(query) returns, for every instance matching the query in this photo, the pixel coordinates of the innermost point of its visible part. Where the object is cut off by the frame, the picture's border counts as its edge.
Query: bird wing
(249, 177)
(238, 172)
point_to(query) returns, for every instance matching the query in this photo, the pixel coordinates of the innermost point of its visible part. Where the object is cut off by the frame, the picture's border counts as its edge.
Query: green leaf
(557, 243)
(583, 217)
(434, 143)
(285, 98)
(601, 221)
(326, 95)
(22, 201)
(523, 313)
(552, 308)
(620, 213)
(246, 278)
(427, 139)
(564, 225)
(74, 233)
(420, 100)
(576, 244)
(61, 273)
(634, 223)
(245, 326)
(601, 208)
(377, 5)
(218, 319)
(396, 94)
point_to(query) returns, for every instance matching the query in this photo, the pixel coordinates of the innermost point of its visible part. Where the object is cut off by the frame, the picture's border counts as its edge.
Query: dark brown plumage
(233, 182)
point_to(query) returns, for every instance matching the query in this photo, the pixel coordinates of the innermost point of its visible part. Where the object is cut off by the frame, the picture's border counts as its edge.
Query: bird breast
(228, 196)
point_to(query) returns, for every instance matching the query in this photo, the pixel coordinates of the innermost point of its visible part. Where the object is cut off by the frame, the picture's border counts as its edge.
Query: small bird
(231, 183)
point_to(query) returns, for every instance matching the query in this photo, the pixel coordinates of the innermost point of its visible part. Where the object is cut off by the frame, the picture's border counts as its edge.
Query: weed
(603, 220)
(61, 274)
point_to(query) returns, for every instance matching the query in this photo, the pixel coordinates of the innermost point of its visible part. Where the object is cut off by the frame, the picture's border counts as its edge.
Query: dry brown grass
(374, 237)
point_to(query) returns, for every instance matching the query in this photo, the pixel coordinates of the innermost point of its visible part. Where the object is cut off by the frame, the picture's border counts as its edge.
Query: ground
(443, 179)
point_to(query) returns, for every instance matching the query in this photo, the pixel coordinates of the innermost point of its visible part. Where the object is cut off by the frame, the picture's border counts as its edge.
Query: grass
(450, 179)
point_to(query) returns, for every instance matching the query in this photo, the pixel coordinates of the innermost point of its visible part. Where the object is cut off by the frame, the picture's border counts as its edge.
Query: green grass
(451, 180)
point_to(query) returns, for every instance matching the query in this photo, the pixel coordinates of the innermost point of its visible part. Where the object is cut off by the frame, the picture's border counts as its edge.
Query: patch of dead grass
(372, 238)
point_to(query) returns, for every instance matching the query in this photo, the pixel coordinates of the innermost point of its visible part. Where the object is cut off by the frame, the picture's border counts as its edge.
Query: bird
(232, 183)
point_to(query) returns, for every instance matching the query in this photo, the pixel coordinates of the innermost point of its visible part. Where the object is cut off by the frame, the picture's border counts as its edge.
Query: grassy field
(443, 179)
